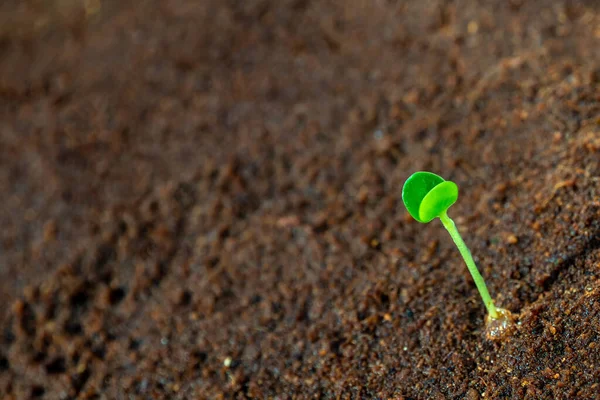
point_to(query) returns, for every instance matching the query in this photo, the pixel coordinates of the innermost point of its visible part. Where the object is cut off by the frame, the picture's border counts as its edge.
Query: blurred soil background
(201, 199)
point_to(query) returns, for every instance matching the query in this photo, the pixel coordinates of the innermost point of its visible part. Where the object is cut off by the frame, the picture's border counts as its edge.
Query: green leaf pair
(427, 195)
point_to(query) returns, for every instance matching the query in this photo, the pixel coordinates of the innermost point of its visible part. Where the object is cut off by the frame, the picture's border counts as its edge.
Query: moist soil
(202, 199)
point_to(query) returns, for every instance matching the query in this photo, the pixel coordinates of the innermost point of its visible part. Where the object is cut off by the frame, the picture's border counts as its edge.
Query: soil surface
(202, 199)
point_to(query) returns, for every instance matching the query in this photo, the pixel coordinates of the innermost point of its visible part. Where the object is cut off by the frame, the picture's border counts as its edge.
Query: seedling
(427, 196)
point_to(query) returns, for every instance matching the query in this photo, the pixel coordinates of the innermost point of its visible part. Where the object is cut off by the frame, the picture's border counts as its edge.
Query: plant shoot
(427, 196)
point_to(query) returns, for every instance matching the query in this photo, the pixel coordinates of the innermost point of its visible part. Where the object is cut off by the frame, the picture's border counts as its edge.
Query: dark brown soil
(201, 199)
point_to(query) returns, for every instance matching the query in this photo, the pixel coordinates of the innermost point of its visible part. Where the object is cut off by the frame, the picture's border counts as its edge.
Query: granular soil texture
(201, 199)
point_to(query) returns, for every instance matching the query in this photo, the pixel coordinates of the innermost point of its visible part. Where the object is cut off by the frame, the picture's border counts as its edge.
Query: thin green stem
(464, 251)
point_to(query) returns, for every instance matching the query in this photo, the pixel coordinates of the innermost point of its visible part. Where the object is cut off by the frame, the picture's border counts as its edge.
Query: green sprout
(427, 196)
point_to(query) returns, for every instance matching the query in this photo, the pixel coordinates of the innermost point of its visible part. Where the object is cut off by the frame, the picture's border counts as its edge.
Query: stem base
(499, 328)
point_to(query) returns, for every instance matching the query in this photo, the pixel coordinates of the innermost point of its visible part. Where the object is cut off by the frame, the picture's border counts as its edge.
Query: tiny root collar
(498, 328)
